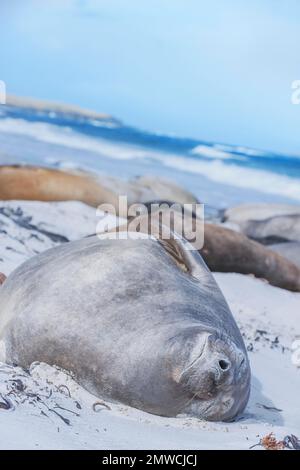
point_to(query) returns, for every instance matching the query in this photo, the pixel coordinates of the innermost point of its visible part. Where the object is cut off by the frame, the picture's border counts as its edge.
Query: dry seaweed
(269, 442)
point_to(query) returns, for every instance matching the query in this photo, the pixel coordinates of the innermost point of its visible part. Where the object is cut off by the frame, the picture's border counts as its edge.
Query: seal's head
(216, 378)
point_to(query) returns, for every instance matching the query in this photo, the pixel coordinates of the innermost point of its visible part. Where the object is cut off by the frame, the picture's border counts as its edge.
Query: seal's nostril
(224, 365)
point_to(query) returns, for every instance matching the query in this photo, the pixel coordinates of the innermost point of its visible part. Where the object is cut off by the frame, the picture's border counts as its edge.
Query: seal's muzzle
(217, 380)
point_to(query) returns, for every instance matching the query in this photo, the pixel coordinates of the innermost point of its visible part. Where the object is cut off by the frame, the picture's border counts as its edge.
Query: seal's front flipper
(190, 261)
(164, 227)
(187, 258)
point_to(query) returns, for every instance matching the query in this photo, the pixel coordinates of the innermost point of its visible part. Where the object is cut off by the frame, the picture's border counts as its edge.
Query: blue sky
(219, 71)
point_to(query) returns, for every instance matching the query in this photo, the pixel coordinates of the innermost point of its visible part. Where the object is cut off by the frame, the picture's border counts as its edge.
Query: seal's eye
(224, 365)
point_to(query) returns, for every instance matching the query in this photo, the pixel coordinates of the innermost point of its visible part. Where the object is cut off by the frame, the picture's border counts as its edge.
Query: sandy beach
(149, 231)
(44, 408)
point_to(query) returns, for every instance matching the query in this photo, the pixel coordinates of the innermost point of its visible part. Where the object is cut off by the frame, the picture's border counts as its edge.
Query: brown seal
(225, 250)
(46, 184)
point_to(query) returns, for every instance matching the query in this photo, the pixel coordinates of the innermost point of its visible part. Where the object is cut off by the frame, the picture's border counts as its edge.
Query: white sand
(269, 319)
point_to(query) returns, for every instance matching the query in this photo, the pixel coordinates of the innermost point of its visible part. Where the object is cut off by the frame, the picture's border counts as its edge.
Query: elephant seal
(141, 322)
(166, 189)
(260, 211)
(45, 184)
(25, 182)
(2, 278)
(274, 230)
(267, 223)
(225, 250)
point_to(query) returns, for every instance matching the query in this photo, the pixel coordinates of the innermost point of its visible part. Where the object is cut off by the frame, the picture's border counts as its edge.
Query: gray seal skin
(258, 211)
(141, 322)
(275, 229)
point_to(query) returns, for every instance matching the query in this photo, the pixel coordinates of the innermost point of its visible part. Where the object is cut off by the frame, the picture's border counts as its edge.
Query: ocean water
(219, 175)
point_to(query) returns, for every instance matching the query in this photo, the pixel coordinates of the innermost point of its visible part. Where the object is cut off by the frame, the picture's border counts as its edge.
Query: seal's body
(276, 229)
(141, 322)
(225, 250)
